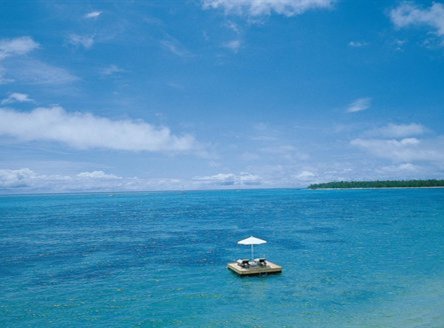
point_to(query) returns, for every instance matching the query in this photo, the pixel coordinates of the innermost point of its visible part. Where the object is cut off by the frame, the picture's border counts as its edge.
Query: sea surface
(351, 258)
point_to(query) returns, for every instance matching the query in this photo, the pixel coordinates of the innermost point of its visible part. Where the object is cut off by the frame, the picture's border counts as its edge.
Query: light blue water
(351, 258)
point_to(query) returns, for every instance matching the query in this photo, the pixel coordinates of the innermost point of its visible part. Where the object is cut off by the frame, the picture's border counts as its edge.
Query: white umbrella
(251, 241)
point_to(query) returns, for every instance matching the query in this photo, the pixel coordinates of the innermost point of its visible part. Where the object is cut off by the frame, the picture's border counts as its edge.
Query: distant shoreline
(379, 184)
(364, 188)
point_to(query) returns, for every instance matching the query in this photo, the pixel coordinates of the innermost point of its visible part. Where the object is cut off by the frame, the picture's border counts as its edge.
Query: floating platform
(268, 268)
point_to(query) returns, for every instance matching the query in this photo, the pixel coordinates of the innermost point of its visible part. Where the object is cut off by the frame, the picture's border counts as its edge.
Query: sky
(208, 94)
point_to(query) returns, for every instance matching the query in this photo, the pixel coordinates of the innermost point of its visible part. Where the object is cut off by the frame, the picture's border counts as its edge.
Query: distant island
(379, 184)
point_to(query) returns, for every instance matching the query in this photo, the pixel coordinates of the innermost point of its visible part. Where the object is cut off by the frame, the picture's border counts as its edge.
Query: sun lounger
(261, 261)
(244, 263)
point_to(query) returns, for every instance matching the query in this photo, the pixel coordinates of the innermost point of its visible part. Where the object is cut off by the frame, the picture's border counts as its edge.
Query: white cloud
(97, 175)
(408, 13)
(359, 105)
(399, 130)
(233, 45)
(234, 27)
(27, 70)
(399, 44)
(407, 167)
(230, 179)
(401, 143)
(305, 175)
(357, 44)
(404, 150)
(79, 40)
(27, 180)
(249, 179)
(401, 168)
(15, 178)
(32, 71)
(16, 97)
(112, 69)
(175, 48)
(86, 131)
(17, 46)
(222, 179)
(266, 7)
(93, 14)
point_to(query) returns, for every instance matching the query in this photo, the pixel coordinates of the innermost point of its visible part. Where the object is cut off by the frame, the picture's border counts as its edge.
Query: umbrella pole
(252, 252)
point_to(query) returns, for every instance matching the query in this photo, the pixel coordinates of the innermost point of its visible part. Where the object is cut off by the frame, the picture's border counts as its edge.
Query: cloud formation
(400, 168)
(15, 178)
(86, 131)
(81, 40)
(17, 46)
(112, 69)
(357, 44)
(27, 180)
(97, 175)
(266, 7)
(410, 150)
(16, 97)
(408, 14)
(230, 179)
(399, 130)
(28, 70)
(233, 45)
(359, 105)
(176, 48)
(305, 176)
(403, 150)
(31, 71)
(93, 14)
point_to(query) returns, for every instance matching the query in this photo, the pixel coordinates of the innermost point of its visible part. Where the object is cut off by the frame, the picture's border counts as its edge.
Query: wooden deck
(255, 270)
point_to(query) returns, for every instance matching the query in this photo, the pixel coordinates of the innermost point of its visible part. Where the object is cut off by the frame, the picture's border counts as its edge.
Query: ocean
(351, 258)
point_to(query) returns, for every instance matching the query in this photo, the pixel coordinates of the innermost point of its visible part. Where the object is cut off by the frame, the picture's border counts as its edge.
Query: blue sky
(154, 95)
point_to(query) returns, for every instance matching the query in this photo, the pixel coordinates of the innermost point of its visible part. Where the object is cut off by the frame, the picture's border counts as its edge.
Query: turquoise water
(351, 258)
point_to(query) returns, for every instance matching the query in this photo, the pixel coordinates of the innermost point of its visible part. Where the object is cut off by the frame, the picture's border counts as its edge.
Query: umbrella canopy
(251, 241)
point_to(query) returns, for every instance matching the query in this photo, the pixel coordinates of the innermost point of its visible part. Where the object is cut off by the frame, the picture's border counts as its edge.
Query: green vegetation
(379, 184)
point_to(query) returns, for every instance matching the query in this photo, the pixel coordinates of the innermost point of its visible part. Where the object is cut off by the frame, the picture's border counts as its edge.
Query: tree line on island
(378, 184)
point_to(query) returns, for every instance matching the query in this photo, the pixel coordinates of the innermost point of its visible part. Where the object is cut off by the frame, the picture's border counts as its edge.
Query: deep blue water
(351, 258)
